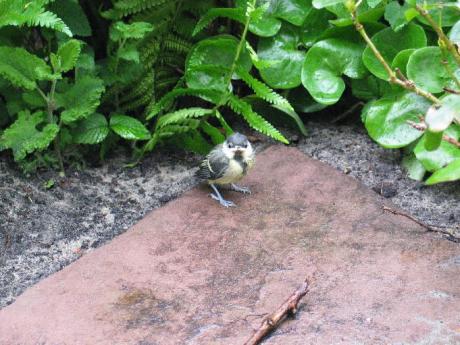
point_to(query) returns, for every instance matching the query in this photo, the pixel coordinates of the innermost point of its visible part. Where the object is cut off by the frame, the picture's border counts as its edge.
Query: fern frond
(253, 119)
(49, 20)
(236, 14)
(181, 115)
(177, 44)
(123, 8)
(262, 90)
(170, 96)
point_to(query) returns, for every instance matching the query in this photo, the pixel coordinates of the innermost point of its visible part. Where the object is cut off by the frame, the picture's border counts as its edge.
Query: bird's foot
(222, 201)
(244, 190)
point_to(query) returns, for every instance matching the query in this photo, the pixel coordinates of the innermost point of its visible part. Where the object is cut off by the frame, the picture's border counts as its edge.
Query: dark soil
(41, 230)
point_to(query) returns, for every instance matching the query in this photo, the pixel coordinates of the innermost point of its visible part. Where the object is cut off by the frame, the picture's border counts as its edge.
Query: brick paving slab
(193, 272)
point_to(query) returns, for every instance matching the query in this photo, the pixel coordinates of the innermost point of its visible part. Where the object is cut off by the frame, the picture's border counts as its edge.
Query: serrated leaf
(92, 130)
(443, 155)
(23, 137)
(286, 59)
(136, 30)
(449, 173)
(386, 119)
(324, 65)
(183, 114)
(81, 99)
(22, 68)
(389, 43)
(68, 54)
(255, 120)
(129, 127)
(434, 76)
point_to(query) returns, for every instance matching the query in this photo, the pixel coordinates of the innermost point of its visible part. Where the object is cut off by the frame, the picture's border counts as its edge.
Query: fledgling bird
(226, 164)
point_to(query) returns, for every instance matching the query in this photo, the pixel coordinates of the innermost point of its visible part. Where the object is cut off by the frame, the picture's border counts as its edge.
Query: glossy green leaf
(426, 69)
(449, 173)
(324, 65)
(315, 24)
(446, 152)
(263, 23)
(414, 168)
(432, 140)
(370, 87)
(129, 127)
(454, 34)
(282, 51)
(394, 14)
(373, 3)
(303, 102)
(401, 59)
(325, 3)
(208, 64)
(389, 43)
(447, 10)
(370, 15)
(439, 118)
(292, 11)
(386, 119)
(72, 15)
(91, 130)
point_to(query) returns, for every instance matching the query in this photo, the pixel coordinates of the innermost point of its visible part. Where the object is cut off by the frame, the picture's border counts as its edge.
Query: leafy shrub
(172, 72)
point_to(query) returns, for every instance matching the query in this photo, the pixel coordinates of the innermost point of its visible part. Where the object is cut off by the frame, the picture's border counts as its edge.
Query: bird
(226, 164)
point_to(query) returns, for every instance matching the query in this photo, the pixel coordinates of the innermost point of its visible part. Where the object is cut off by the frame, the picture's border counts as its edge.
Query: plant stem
(239, 48)
(445, 63)
(406, 84)
(50, 109)
(442, 36)
(422, 127)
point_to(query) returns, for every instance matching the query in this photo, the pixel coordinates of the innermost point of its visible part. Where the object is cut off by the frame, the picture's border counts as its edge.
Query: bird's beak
(238, 150)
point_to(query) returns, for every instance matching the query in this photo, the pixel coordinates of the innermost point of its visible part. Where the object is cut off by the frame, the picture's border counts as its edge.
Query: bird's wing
(214, 165)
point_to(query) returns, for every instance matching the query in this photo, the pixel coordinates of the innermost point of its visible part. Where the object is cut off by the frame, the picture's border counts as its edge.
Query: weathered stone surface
(193, 272)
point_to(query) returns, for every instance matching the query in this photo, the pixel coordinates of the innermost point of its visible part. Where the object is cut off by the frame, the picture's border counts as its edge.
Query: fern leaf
(215, 134)
(23, 137)
(262, 90)
(73, 15)
(236, 14)
(253, 119)
(50, 20)
(256, 61)
(123, 8)
(21, 68)
(176, 44)
(81, 100)
(170, 96)
(181, 115)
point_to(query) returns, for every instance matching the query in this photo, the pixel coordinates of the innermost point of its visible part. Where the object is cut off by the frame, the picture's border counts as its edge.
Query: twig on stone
(272, 321)
(347, 112)
(450, 233)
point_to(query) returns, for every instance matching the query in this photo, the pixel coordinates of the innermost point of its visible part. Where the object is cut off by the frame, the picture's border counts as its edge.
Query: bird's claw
(223, 202)
(244, 190)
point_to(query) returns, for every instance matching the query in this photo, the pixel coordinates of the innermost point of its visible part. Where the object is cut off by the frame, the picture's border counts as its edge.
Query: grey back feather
(214, 165)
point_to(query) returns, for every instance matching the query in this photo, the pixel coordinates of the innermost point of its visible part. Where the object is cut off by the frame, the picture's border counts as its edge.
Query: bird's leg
(219, 198)
(244, 190)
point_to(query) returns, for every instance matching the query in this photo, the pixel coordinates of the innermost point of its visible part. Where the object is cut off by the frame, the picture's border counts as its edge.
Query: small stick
(272, 321)
(348, 112)
(455, 92)
(423, 127)
(430, 228)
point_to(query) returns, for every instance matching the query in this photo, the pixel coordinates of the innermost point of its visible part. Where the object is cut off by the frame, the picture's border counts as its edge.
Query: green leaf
(23, 137)
(439, 118)
(292, 11)
(432, 140)
(303, 102)
(208, 64)
(414, 168)
(215, 134)
(262, 22)
(122, 31)
(370, 87)
(21, 68)
(454, 34)
(129, 127)
(389, 43)
(449, 173)
(326, 3)
(183, 114)
(129, 52)
(73, 15)
(401, 59)
(394, 14)
(91, 130)
(324, 65)
(81, 100)
(236, 14)
(68, 54)
(370, 15)
(443, 155)
(386, 119)
(286, 60)
(255, 120)
(434, 76)
(315, 24)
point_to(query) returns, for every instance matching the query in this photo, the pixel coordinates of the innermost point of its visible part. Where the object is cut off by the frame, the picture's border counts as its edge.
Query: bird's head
(237, 145)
